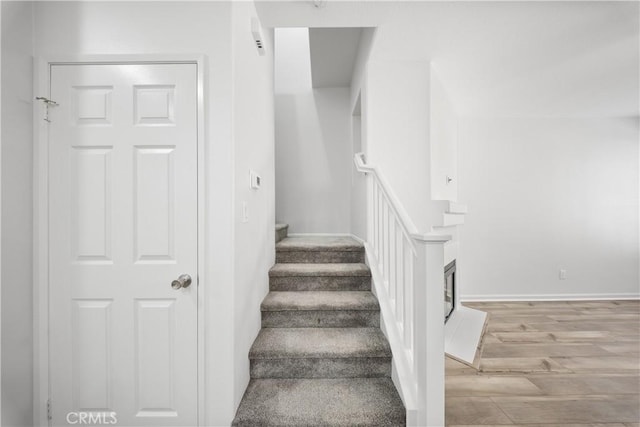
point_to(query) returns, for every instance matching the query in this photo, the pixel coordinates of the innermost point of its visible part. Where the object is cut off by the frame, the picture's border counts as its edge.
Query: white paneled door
(123, 229)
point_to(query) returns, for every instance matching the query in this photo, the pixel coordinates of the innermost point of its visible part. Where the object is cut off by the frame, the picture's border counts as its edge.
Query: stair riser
(309, 257)
(312, 283)
(281, 233)
(321, 319)
(348, 367)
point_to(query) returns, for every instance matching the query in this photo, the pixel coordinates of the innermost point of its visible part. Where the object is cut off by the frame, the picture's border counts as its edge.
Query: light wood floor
(551, 364)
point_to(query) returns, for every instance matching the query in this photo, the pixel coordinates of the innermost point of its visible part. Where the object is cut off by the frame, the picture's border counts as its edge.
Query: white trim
(549, 297)
(452, 219)
(431, 238)
(0, 209)
(177, 58)
(445, 228)
(42, 87)
(201, 61)
(357, 239)
(40, 249)
(456, 208)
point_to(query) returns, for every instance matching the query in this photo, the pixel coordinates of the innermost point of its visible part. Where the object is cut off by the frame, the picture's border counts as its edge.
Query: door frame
(42, 87)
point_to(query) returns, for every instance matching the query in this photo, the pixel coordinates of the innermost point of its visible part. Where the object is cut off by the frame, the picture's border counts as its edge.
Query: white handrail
(408, 274)
(407, 225)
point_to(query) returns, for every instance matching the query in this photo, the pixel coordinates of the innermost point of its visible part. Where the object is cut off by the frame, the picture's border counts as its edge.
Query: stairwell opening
(321, 357)
(315, 128)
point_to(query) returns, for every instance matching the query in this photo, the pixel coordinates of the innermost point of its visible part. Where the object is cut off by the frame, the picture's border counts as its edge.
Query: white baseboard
(549, 297)
(357, 239)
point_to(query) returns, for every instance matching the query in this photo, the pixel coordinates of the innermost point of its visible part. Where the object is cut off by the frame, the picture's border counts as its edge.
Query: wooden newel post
(428, 336)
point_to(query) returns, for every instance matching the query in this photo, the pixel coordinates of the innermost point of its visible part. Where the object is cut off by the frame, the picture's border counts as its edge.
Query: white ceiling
(568, 59)
(333, 55)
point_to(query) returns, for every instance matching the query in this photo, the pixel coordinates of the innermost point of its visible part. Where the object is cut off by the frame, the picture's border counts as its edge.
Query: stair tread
(319, 243)
(327, 402)
(319, 300)
(279, 343)
(321, 270)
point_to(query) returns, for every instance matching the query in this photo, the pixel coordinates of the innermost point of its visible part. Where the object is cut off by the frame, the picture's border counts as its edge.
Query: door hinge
(49, 417)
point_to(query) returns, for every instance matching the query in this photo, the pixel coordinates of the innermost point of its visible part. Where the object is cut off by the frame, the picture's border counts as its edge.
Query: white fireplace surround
(465, 326)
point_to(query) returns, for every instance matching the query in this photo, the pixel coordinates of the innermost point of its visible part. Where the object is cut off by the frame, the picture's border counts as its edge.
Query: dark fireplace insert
(449, 289)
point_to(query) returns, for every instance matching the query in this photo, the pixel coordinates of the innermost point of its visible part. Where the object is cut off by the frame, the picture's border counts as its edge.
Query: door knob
(183, 281)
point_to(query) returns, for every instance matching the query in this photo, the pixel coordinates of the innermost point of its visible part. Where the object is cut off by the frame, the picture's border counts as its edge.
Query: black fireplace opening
(449, 289)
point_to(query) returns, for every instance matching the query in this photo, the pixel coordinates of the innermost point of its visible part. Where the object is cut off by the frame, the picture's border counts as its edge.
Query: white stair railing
(408, 273)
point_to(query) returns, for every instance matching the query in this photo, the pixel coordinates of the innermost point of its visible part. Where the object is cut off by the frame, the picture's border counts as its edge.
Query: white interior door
(123, 226)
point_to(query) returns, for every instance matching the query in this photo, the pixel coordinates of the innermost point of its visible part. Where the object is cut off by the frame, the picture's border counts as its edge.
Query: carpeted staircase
(320, 358)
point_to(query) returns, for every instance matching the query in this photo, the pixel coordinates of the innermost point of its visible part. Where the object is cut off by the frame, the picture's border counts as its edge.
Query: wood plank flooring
(542, 364)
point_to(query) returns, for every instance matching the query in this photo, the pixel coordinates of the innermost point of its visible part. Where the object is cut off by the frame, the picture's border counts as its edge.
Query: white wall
(444, 141)
(292, 60)
(16, 226)
(0, 213)
(444, 160)
(313, 145)
(397, 109)
(253, 127)
(493, 56)
(358, 184)
(546, 194)
(219, 31)
(367, 40)
(358, 137)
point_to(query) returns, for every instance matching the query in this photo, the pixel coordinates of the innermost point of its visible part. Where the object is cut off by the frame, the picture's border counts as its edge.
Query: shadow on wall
(313, 151)
(313, 142)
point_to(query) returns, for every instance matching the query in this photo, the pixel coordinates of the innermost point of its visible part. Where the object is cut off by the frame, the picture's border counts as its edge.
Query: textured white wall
(313, 144)
(546, 194)
(17, 211)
